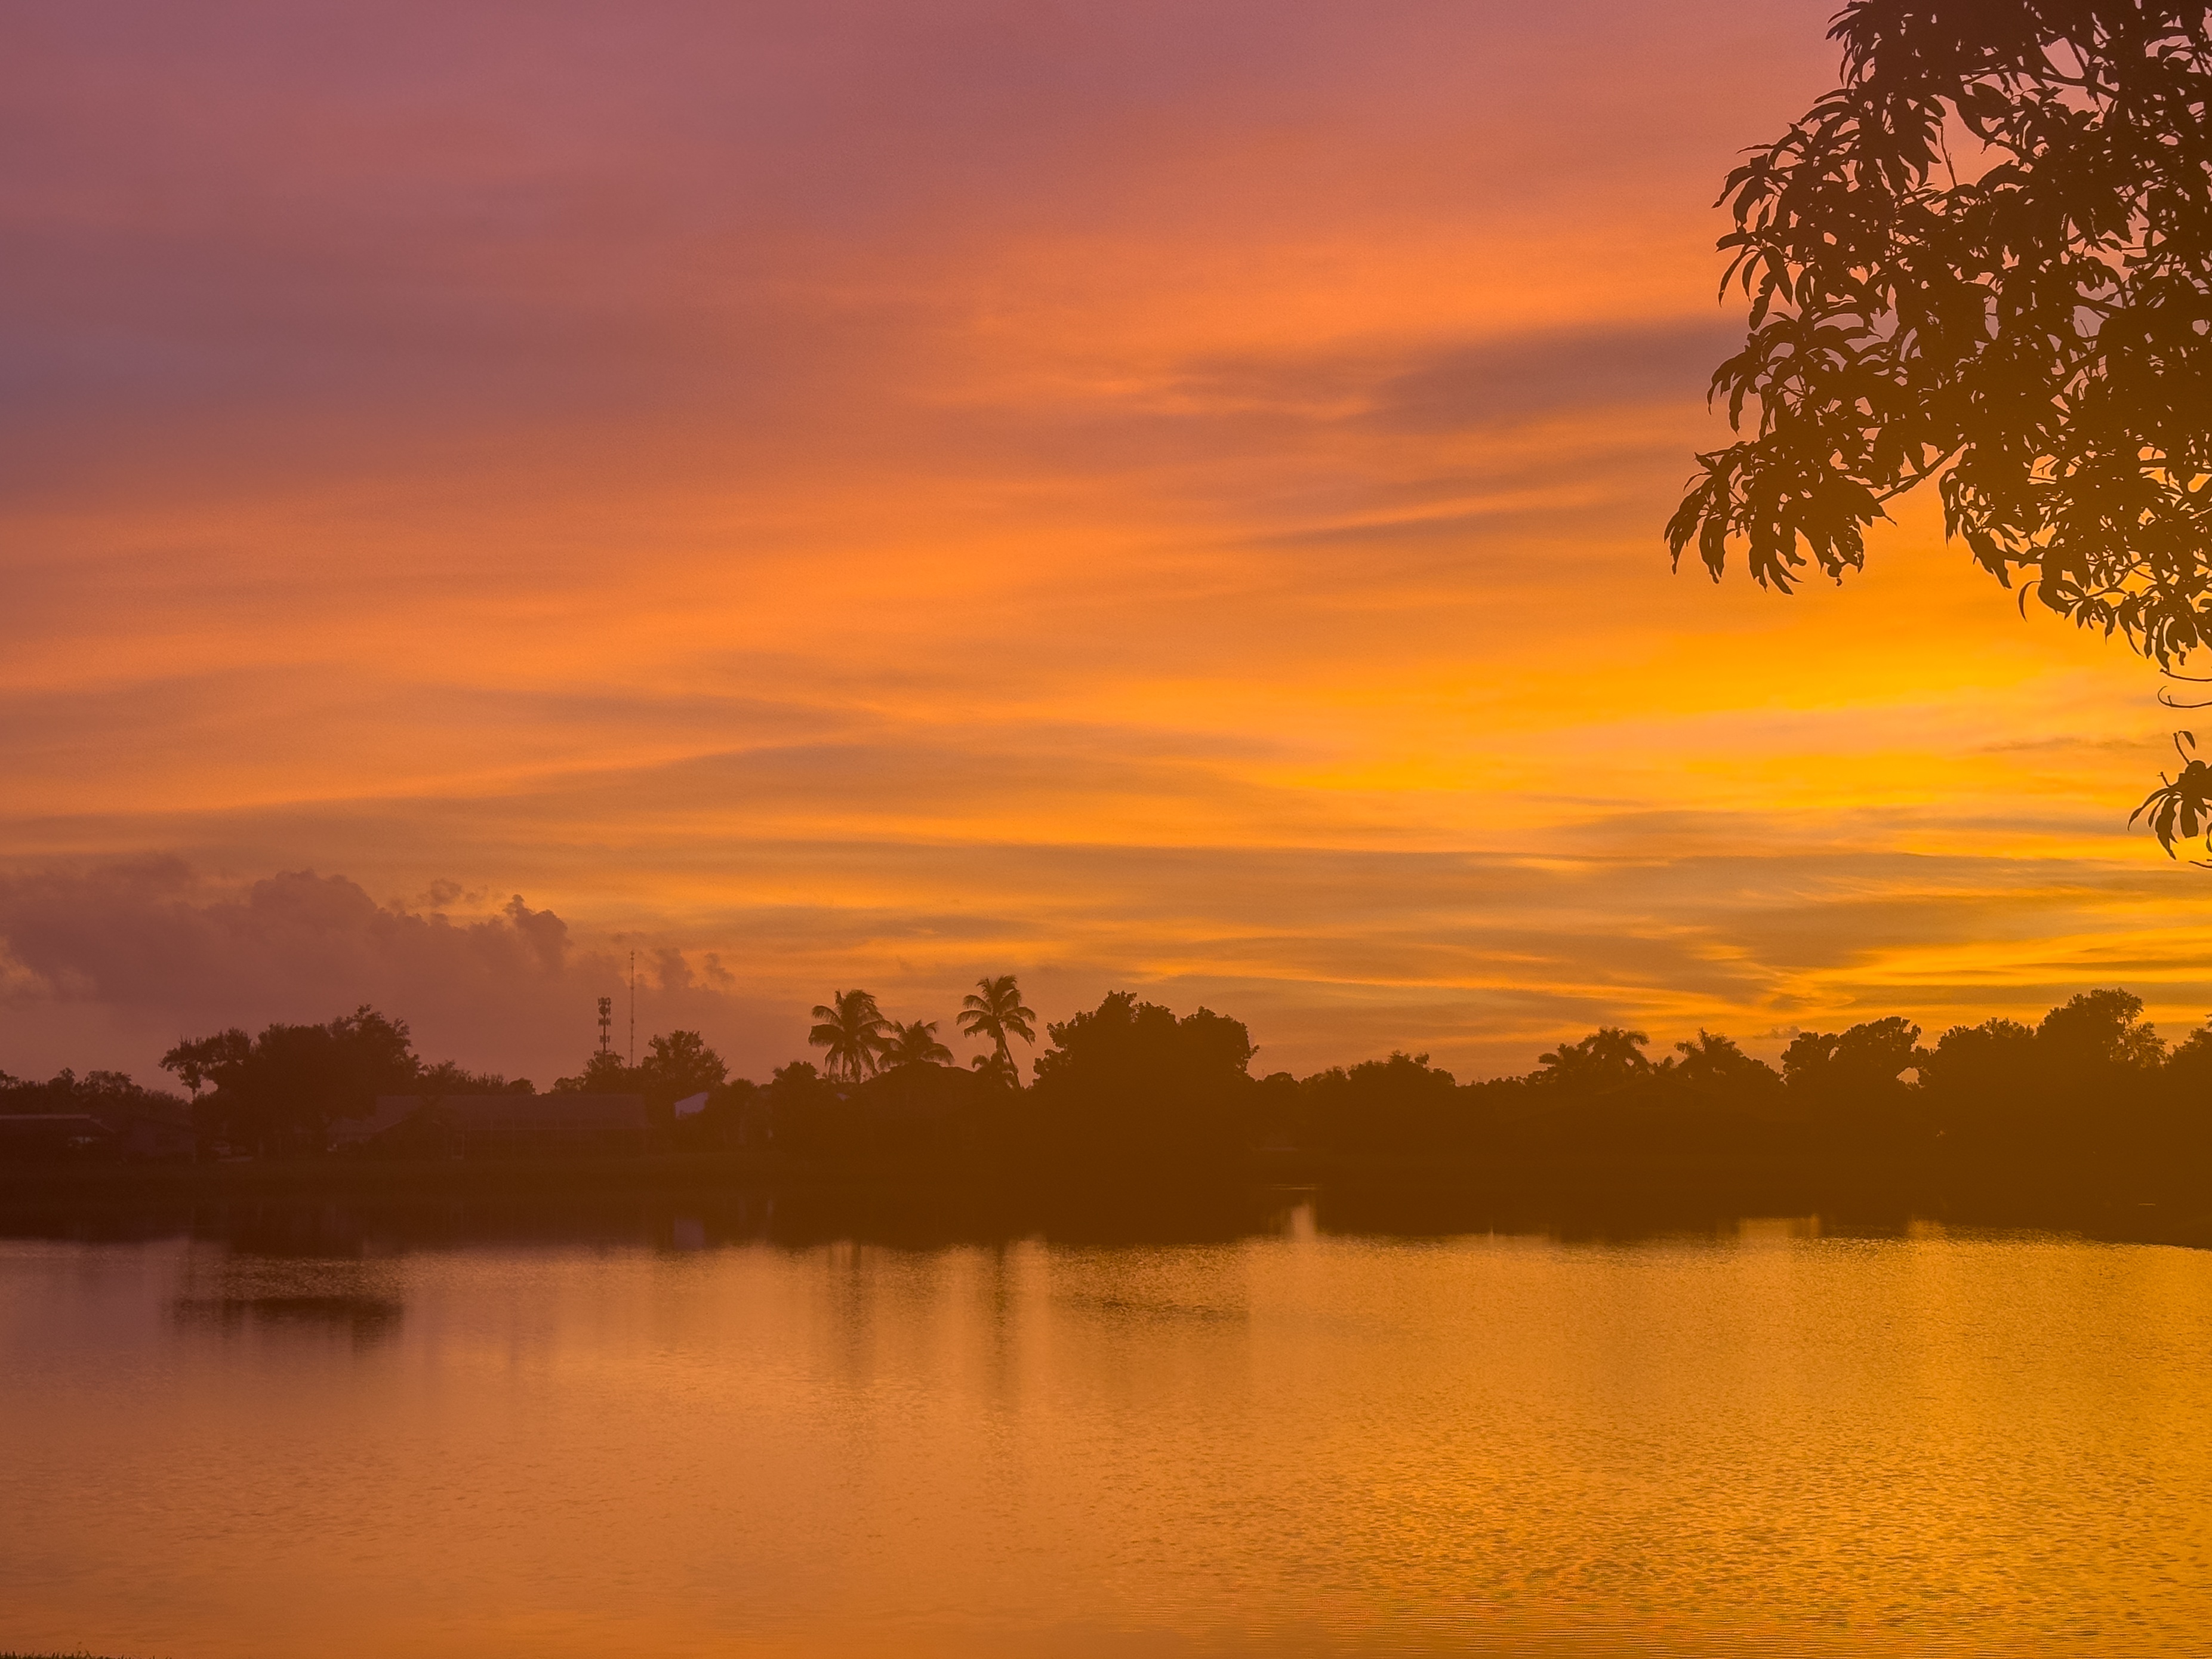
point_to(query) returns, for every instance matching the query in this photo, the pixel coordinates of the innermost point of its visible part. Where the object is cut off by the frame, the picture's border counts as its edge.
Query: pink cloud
(146, 948)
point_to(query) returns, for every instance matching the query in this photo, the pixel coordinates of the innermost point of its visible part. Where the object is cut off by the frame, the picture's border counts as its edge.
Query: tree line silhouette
(1132, 1087)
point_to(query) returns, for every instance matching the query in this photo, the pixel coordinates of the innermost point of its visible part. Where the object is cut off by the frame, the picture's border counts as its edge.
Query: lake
(1762, 1439)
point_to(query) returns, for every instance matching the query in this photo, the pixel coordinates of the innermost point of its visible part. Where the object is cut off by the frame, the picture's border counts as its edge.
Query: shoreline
(737, 1196)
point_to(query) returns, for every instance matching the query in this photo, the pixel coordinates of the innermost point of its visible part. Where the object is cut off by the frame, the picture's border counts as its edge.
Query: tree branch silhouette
(2035, 336)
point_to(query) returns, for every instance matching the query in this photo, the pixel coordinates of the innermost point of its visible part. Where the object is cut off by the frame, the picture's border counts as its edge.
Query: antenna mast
(632, 1008)
(606, 1024)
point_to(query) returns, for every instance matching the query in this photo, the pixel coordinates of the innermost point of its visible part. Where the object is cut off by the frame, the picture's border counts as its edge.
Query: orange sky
(1149, 496)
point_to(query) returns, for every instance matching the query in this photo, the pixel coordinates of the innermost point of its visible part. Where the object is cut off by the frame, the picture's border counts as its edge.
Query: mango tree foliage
(1985, 259)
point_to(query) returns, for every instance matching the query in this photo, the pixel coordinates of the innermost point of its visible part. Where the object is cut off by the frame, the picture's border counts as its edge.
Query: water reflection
(685, 1428)
(244, 1287)
(365, 1318)
(930, 1218)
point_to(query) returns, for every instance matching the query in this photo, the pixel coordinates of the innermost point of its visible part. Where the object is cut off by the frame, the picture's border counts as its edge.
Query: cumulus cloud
(148, 948)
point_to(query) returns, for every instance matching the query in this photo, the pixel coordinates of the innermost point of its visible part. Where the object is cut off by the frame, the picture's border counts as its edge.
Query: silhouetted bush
(1401, 1104)
(1129, 1084)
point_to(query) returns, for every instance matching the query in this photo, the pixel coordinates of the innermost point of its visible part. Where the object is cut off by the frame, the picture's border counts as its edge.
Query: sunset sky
(1148, 496)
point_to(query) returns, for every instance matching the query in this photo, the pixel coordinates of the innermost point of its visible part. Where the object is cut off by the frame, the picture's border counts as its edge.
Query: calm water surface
(1773, 1442)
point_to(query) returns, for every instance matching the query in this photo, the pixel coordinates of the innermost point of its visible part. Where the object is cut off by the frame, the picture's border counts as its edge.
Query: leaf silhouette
(2032, 334)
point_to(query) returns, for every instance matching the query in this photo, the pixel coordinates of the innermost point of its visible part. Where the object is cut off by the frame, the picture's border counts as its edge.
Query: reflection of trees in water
(237, 1288)
(365, 1319)
(358, 1287)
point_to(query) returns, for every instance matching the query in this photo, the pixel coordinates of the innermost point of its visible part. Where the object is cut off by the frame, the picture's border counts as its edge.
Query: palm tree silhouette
(915, 1044)
(1607, 1055)
(851, 1027)
(997, 1013)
